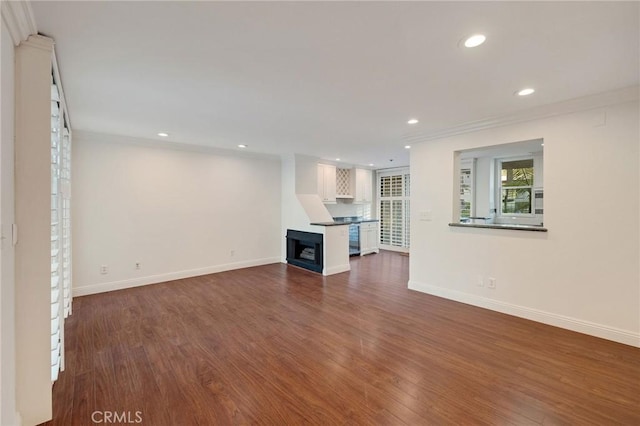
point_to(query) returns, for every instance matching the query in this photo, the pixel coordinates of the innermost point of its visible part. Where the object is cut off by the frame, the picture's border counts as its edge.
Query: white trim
(19, 19)
(154, 279)
(371, 251)
(395, 171)
(613, 97)
(574, 324)
(394, 248)
(37, 41)
(336, 269)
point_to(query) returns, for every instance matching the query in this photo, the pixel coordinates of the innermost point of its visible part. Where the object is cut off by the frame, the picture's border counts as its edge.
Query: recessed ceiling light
(371, 164)
(412, 121)
(163, 134)
(525, 92)
(242, 145)
(407, 147)
(475, 40)
(337, 159)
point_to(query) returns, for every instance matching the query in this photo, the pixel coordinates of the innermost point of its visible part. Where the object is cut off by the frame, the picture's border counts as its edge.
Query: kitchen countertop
(338, 221)
(534, 228)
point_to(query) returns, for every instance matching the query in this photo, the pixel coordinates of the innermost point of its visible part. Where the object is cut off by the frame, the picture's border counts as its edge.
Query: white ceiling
(329, 79)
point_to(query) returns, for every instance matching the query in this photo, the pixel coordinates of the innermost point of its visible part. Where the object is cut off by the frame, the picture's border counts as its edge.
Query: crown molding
(18, 16)
(39, 42)
(627, 94)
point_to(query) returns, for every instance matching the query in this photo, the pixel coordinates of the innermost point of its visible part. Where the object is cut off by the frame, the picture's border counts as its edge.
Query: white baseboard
(562, 321)
(154, 279)
(366, 252)
(394, 248)
(336, 269)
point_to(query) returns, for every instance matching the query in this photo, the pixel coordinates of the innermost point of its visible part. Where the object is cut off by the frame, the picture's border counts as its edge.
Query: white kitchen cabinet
(327, 183)
(368, 238)
(363, 192)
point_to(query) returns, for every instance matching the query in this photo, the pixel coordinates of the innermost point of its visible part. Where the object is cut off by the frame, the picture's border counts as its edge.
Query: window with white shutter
(60, 227)
(394, 190)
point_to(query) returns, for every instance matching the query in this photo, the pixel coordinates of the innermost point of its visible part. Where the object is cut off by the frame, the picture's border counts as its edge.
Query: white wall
(179, 210)
(484, 187)
(7, 213)
(306, 174)
(33, 217)
(583, 274)
(335, 249)
(293, 214)
(299, 177)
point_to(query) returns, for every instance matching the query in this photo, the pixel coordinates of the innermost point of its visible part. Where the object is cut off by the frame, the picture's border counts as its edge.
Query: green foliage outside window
(517, 186)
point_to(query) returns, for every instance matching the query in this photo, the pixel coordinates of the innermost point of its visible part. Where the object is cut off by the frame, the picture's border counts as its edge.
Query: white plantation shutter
(60, 229)
(394, 196)
(65, 186)
(56, 124)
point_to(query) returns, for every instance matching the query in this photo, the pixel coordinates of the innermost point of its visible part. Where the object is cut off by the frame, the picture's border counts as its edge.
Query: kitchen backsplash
(347, 209)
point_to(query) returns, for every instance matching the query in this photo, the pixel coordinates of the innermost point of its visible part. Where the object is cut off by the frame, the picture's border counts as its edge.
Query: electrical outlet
(480, 281)
(138, 265)
(492, 283)
(232, 253)
(104, 269)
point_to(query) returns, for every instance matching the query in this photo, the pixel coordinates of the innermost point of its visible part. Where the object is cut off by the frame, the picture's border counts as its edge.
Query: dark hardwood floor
(279, 345)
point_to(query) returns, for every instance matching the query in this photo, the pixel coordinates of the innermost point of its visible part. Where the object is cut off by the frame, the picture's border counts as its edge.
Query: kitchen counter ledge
(338, 223)
(534, 228)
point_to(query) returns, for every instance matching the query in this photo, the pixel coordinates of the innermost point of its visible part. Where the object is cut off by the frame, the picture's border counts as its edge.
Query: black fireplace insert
(304, 249)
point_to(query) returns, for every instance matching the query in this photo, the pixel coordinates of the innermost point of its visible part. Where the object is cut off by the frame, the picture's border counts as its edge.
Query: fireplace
(304, 249)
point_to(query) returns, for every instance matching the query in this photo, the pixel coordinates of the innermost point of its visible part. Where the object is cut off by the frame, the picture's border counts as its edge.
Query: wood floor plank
(281, 345)
(83, 403)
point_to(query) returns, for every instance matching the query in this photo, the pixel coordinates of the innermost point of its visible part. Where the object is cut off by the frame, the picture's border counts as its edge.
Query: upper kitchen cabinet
(327, 183)
(363, 192)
